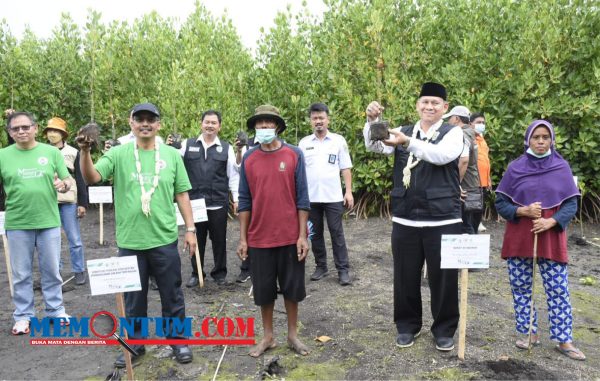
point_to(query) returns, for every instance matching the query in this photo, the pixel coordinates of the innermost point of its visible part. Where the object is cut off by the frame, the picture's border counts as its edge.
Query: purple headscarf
(529, 179)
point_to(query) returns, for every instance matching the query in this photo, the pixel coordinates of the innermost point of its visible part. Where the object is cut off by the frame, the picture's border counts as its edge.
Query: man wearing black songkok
(425, 203)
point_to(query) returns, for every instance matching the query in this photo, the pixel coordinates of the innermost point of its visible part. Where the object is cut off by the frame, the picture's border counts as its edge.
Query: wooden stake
(101, 238)
(199, 265)
(8, 266)
(531, 314)
(219, 364)
(121, 310)
(462, 326)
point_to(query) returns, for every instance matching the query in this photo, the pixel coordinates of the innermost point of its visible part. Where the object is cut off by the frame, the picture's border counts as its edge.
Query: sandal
(572, 353)
(523, 343)
(21, 327)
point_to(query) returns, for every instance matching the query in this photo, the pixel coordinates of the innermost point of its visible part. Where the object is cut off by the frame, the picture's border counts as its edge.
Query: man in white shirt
(425, 203)
(326, 155)
(212, 170)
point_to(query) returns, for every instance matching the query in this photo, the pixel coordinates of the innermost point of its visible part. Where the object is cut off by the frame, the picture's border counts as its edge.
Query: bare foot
(298, 347)
(262, 347)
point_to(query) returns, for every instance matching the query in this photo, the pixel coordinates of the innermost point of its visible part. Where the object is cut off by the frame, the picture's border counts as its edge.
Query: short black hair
(318, 107)
(476, 115)
(211, 112)
(20, 113)
(463, 119)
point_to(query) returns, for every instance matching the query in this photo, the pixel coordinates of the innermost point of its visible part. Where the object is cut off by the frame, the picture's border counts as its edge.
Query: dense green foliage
(513, 60)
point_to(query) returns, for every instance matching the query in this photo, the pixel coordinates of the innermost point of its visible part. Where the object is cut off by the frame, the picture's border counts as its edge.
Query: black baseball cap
(145, 107)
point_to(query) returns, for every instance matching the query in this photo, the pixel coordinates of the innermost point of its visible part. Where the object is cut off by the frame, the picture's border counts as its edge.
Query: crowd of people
(282, 194)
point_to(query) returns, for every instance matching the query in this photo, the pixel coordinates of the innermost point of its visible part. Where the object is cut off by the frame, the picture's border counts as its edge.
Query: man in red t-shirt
(273, 211)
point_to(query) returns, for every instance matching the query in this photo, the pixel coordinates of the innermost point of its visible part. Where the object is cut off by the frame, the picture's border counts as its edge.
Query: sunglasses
(24, 128)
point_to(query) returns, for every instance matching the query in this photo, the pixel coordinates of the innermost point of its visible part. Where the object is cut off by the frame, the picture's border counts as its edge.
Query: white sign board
(2, 223)
(198, 212)
(100, 195)
(465, 251)
(114, 274)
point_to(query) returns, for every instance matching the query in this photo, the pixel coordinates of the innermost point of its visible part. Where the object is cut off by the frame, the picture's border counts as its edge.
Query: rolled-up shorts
(276, 264)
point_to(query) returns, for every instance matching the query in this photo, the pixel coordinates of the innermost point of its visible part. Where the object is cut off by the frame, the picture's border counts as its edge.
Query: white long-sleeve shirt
(449, 148)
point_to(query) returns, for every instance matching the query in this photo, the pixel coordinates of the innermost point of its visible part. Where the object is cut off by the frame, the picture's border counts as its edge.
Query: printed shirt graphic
(28, 178)
(134, 230)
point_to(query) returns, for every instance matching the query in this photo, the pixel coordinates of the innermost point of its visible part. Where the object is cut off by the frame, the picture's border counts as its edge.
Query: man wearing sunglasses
(32, 173)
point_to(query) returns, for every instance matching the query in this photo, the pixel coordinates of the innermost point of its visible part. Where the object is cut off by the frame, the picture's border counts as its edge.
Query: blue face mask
(265, 135)
(548, 153)
(480, 128)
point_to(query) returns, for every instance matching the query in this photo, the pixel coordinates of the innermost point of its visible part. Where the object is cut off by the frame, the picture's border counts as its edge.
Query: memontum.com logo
(104, 328)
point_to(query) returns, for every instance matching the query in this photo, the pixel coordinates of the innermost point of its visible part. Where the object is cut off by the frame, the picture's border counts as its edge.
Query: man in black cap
(147, 176)
(425, 203)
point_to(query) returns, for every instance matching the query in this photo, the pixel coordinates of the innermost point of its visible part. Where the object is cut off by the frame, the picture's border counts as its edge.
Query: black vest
(434, 191)
(208, 176)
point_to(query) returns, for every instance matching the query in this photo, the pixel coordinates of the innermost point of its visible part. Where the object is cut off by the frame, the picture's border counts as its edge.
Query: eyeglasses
(24, 128)
(148, 119)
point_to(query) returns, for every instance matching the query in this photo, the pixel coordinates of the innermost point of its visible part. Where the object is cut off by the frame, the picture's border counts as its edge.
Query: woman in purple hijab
(538, 196)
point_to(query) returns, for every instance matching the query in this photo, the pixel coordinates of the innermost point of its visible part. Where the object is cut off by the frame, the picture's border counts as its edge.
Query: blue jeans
(22, 244)
(70, 224)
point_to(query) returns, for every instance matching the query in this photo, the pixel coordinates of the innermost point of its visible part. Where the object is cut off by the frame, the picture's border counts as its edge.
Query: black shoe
(193, 282)
(221, 281)
(153, 285)
(243, 277)
(183, 353)
(80, 278)
(344, 278)
(319, 274)
(444, 344)
(405, 340)
(120, 361)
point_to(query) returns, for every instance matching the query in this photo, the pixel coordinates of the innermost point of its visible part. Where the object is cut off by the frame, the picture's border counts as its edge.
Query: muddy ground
(357, 318)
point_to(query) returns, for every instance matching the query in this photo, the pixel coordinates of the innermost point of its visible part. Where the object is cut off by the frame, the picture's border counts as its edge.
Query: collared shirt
(232, 167)
(324, 161)
(447, 150)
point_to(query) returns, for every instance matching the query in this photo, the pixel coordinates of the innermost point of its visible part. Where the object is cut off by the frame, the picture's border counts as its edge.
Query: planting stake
(121, 309)
(531, 314)
(8, 267)
(199, 265)
(101, 238)
(219, 364)
(462, 326)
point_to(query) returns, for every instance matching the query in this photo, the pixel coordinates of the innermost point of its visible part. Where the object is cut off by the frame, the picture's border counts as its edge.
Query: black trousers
(476, 216)
(411, 247)
(333, 212)
(216, 229)
(164, 264)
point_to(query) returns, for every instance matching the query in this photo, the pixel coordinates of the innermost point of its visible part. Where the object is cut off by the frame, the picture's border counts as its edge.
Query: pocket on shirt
(441, 201)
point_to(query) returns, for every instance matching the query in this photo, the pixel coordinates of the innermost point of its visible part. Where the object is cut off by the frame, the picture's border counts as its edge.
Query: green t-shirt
(28, 178)
(134, 230)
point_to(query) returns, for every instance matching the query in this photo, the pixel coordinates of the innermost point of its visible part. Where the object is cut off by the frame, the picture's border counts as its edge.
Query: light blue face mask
(480, 128)
(548, 153)
(265, 135)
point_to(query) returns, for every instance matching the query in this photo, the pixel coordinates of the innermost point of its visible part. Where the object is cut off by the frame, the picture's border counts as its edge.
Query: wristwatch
(190, 230)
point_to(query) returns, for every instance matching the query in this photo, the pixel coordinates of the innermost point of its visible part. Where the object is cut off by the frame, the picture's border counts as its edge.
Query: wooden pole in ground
(462, 326)
(531, 314)
(121, 309)
(199, 265)
(8, 266)
(101, 224)
(219, 364)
